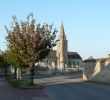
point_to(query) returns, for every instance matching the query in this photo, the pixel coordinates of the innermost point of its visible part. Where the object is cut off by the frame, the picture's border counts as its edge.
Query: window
(69, 63)
(78, 63)
(73, 63)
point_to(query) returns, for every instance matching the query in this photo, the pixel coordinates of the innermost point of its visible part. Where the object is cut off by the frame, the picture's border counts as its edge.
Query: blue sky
(86, 22)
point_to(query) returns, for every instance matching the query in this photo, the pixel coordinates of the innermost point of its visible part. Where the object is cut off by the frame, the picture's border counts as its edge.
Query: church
(61, 59)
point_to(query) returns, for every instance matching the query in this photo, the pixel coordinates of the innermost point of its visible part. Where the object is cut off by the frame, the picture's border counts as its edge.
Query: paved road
(9, 93)
(71, 87)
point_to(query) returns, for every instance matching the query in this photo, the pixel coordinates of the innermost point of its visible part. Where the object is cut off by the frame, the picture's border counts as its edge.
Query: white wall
(99, 71)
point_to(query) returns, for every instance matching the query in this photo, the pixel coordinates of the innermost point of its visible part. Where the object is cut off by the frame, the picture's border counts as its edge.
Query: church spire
(62, 32)
(62, 49)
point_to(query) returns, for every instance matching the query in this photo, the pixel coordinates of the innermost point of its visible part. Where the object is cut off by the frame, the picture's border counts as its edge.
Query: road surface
(72, 87)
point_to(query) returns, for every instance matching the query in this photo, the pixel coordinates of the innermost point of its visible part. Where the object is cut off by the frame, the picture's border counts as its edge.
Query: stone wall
(97, 70)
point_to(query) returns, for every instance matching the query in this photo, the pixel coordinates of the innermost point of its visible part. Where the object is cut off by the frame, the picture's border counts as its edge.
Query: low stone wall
(97, 70)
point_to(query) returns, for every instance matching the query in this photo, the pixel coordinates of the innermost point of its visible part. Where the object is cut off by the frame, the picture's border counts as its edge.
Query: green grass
(22, 84)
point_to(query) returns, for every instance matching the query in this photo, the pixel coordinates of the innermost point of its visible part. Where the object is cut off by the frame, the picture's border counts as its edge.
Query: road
(72, 87)
(7, 92)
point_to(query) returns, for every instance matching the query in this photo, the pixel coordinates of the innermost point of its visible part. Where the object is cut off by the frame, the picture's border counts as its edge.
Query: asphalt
(57, 87)
(9, 93)
(72, 87)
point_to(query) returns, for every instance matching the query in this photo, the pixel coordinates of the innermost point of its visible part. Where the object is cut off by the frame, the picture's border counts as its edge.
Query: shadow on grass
(23, 84)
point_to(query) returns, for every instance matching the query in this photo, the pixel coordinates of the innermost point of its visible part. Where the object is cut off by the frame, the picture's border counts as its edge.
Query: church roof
(74, 55)
(71, 55)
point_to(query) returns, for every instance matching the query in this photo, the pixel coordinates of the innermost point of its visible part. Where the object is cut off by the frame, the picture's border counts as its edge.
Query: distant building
(61, 58)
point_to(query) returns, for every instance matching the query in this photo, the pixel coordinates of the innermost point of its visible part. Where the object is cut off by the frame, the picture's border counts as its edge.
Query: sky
(86, 22)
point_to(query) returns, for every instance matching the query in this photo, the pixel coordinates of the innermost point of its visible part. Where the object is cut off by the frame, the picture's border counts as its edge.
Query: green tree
(16, 63)
(3, 62)
(31, 42)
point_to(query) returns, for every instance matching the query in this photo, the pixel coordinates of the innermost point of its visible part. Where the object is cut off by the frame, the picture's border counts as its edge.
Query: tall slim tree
(31, 42)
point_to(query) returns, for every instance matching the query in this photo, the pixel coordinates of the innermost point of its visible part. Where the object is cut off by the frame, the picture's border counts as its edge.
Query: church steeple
(62, 49)
(62, 32)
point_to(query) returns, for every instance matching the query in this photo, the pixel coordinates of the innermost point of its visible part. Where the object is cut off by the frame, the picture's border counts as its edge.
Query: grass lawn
(23, 84)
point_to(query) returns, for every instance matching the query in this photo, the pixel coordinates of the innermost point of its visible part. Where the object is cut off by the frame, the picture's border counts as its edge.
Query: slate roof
(74, 55)
(71, 55)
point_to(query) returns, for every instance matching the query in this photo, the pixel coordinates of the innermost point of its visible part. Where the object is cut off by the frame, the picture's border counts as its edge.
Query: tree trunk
(6, 70)
(31, 77)
(19, 73)
(32, 74)
(15, 72)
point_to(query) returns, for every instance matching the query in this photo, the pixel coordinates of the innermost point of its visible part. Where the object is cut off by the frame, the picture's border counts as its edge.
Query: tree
(16, 63)
(3, 62)
(31, 42)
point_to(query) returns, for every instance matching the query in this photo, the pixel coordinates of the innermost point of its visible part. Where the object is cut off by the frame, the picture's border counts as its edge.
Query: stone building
(61, 59)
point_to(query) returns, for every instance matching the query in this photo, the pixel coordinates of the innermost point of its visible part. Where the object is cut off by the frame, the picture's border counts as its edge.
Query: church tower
(62, 50)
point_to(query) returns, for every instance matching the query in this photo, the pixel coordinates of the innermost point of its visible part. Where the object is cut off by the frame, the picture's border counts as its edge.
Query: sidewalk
(9, 93)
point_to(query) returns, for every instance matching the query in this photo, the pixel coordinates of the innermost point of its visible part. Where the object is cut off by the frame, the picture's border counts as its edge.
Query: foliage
(13, 60)
(30, 42)
(3, 62)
